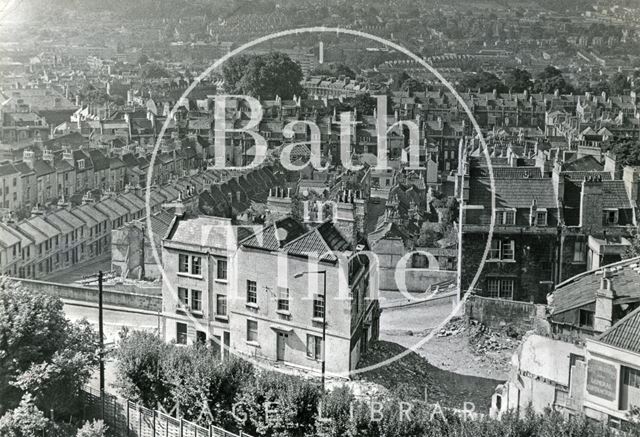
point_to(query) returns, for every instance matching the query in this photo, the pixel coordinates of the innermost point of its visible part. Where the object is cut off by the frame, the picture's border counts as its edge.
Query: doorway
(281, 345)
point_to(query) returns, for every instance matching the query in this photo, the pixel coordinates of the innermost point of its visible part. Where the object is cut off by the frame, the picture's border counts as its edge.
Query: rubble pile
(483, 339)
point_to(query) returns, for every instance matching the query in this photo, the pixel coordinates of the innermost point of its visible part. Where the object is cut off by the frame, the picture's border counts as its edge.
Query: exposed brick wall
(129, 299)
(499, 314)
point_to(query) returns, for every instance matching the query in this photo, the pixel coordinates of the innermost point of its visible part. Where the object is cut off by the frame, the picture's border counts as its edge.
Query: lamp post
(324, 314)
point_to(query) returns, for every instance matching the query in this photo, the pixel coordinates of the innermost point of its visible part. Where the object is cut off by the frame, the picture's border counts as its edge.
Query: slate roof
(204, 231)
(41, 225)
(507, 172)
(7, 238)
(581, 175)
(36, 235)
(581, 289)
(64, 227)
(625, 334)
(585, 163)
(7, 169)
(614, 195)
(100, 162)
(513, 193)
(42, 168)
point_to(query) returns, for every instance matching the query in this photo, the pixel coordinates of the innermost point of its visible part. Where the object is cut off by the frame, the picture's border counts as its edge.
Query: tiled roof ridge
(616, 264)
(618, 324)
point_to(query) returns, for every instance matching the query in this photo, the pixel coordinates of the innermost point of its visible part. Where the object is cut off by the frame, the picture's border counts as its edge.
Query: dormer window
(505, 216)
(541, 218)
(610, 216)
(81, 164)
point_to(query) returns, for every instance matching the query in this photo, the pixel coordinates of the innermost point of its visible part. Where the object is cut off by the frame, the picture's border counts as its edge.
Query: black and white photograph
(330, 218)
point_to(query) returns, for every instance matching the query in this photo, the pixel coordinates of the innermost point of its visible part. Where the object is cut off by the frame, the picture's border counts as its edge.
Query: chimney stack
(603, 319)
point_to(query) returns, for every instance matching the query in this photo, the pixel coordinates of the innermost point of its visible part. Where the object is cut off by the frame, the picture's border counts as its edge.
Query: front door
(281, 345)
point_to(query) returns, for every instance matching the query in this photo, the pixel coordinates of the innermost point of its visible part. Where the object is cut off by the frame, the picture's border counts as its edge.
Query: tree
(139, 356)
(517, 80)
(97, 428)
(412, 85)
(619, 83)
(152, 70)
(43, 354)
(279, 405)
(142, 59)
(364, 104)
(264, 76)
(26, 420)
(484, 81)
(551, 79)
(334, 70)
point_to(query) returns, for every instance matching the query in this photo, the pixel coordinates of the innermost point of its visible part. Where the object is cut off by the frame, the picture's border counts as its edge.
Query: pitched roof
(585, 163)
(513, 193)
(581, 290)
(507, 172)
(625, 334)
(203, 231)
(321, 242)
(275, 236)
(7, 237)
(614, 195)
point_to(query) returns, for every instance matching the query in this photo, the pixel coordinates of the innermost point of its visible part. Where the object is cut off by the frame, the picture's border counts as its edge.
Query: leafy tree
(619, 83)
(26, 420)
(336, 411)
(143, 59)
(626, 150)
(279, 405)
(43, 354)
(517, 80)
(551, 79)
(139, 356)
(365, 104)
(152, 70)
(412, 85)
(264, 76)
(32, 329)
(96, 428)
(334, 70)
(484, 81)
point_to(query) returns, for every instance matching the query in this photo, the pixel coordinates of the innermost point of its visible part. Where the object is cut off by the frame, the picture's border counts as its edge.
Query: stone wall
(124, 298)
(500, 313)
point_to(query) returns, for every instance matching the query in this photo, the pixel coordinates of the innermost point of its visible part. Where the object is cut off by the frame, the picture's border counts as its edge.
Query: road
(114, 319)
(75, 273)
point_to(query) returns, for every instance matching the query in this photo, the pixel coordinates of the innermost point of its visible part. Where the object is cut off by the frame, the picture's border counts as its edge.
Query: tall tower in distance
(320, 52)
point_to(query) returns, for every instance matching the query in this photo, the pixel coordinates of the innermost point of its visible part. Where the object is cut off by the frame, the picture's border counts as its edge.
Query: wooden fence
(128, 419)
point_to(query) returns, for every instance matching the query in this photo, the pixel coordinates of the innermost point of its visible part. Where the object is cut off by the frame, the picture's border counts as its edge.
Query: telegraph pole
(101, 336)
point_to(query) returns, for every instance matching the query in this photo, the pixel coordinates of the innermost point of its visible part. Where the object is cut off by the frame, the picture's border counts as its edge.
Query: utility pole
(461, 172)
(101, 336)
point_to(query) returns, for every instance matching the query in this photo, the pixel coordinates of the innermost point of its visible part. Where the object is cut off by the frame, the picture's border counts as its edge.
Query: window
(183, 263)
(81, 164)
(201, 337)
(252, 296)
(502, 250)
(222, 269)
(541, 218)
(314, 347)
(505, 216)
(419, 261)
(630, 390)
(252, 330)
(183, 296)
(318, 307)
(500, 288)
(283, 299)
(196, 300)
(221, 305)
(586, 318)
(579, 251)
(610, 217)
(181, 333)
(195, 265)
